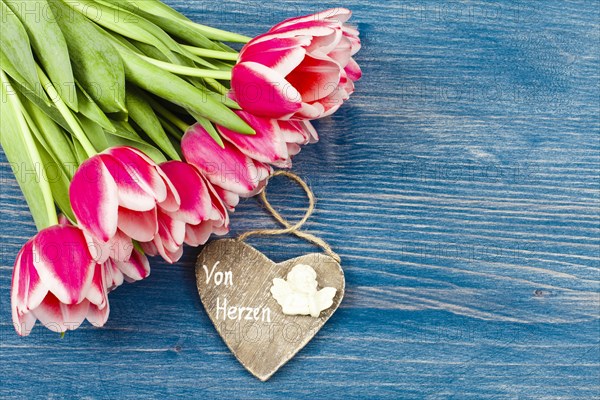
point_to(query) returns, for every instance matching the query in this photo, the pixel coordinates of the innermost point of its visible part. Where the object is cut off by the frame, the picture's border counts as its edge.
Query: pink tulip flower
(201, 209)
(301, 69)
(227, 168)
(168, 242)
(115, 197)
(56, 280)
(201, 213)
(136, 268)
(275, 141)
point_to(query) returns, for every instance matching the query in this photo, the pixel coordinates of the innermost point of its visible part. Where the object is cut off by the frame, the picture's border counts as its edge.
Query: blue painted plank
(461, 187)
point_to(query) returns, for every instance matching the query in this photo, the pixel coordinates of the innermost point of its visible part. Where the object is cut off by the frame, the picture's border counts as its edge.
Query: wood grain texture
(461, 187)
(267, 340)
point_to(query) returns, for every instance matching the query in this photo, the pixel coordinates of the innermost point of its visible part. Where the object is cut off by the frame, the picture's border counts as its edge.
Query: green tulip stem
(217, 34)
(66, 113)
(188, 71)
(169, 116)
(216, 54)
(170, 129)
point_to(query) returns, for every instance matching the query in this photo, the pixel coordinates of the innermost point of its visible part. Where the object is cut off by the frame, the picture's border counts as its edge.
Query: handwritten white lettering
(226, 311)
(219, 277)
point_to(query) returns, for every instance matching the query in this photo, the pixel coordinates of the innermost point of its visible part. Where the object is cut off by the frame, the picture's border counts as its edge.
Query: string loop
(289, 228)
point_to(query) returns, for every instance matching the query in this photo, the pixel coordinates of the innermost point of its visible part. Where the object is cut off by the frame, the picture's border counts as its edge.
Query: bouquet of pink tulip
(144, 130)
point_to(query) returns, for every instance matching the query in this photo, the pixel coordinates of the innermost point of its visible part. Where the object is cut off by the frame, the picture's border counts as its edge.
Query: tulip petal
(264, 92)
(342, 52)
(93, 194)
(197, 235)
(310, 129)
(269, 42)
(60, 317)
(118, 247)
(310, 111)
(113, 277)
(293, 149)
(63, 220)
(173, 200)
(98, 316)
(322, 45)
(169, 256)
(279, 54)
(333, 14)
(230, 199)
(141, 169)
(130, 193)
(220, 230)
(352, 34)
(226, 167)
(315, 78)
(27, 289)
(301, 132)
(121, 247)
(195, 200)
(218, 219)
(137, 268)
(267, 145)
(293, 132)
(97, 293)
(350, 31)
(263, 172)
(171, 232)
(305, 28)
(63, 262)
(23, 323)
(333, 102)
(149, 248)
(174, 256)
(219, 210)
(353, 70)
(99, 250)
(140, 226)
(346, 86)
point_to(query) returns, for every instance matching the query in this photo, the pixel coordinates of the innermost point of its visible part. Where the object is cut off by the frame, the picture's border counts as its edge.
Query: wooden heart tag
(234, 282)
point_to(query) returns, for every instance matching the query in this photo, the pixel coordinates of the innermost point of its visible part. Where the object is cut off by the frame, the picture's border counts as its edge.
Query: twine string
(289, 228)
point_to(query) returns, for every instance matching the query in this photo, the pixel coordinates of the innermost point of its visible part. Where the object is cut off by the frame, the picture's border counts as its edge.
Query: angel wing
(281, 291)
(322, 300)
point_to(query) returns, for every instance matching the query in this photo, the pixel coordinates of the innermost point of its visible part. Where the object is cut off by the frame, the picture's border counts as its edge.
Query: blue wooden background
(461, 187)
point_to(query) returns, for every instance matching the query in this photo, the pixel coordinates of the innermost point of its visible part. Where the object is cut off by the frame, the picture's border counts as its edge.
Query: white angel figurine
(299, 295)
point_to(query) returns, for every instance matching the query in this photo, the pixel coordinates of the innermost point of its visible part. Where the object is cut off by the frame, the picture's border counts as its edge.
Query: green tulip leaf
(143, 115)
(52, 137)
(21, 151)
(59, 182)
(96, 64)
(79, 151)
(17, 58)
(50, 46)
(210, 128)
(89, 108)
(149, 150)
(94, 132)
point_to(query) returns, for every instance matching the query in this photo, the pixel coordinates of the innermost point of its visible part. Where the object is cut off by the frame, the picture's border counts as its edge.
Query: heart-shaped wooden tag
(234, 282)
